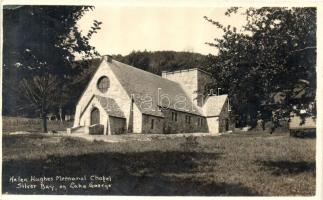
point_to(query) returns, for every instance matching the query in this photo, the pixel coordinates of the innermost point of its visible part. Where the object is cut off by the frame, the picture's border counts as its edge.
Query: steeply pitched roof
(213, 105)
(110, 106)
(152, 91)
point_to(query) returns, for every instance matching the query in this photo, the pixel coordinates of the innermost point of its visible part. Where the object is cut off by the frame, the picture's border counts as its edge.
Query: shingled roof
(110, 106)
(147, 87)
(213, 105)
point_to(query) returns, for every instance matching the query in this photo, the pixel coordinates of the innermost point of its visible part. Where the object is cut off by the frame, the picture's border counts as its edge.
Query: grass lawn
(230, 165)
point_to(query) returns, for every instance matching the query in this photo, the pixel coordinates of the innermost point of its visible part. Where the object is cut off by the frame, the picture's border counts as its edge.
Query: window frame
(152, 123)
(174, 116)
(100, 84)
(188, 119)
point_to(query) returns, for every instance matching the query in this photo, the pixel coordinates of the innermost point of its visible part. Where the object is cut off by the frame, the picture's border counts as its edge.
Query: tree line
(268, 68)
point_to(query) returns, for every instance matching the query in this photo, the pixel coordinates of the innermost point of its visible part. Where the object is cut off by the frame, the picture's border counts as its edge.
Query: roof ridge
(221, 95)
(188, 69)
(141, 70)
(152, 74)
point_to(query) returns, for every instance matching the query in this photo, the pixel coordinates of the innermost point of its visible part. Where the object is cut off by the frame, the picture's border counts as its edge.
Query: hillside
(14, 104)
(158, 61)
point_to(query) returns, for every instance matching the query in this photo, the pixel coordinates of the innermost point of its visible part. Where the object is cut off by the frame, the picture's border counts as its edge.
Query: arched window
(103, 84)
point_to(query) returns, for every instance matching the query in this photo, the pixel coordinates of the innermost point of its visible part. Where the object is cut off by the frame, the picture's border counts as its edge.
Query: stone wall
(181, 126)
(186, 78)
(117, 125)
(203, 79)
(213, 124)
(97, 129)
(137, 120)
(147, 127)
(167, 125)
(218, 124)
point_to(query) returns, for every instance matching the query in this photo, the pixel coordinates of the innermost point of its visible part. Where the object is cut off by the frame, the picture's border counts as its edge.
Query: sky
(125, 29)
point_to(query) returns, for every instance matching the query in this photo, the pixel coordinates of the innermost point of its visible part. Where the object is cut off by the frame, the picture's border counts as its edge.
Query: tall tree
(274, 54)
(40, 44)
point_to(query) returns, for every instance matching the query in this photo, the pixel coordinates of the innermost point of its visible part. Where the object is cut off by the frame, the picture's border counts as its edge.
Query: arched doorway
(95, 116)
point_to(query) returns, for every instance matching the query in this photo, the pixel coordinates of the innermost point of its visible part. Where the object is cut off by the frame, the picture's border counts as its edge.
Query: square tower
(193, 81)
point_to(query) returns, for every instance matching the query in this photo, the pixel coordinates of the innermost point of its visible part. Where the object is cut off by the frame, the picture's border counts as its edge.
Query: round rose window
(103, 84)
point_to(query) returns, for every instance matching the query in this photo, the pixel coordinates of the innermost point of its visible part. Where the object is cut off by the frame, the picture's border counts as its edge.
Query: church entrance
(95, 116)
(96, 128)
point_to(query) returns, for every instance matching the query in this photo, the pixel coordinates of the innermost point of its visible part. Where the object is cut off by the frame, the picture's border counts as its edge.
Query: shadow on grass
(279, 168)
(131, 173)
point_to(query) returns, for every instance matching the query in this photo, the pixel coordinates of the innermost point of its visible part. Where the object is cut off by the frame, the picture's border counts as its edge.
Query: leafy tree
(40, 45)
(268, 66)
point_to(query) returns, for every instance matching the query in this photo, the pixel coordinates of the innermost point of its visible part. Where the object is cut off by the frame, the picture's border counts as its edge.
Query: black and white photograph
(160, 100)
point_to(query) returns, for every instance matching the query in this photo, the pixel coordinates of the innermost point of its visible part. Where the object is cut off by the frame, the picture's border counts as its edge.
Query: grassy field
(230, 165)
(12, 124)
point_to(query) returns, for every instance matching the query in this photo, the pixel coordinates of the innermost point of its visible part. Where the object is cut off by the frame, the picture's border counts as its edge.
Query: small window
(200, 121)
(188, 119)
(103, 84)
(174, 116)
(152, 124)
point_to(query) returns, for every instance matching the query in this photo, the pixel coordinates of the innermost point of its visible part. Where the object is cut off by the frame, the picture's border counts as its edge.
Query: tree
(40, 45)
(273, 54)
(158, 61)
